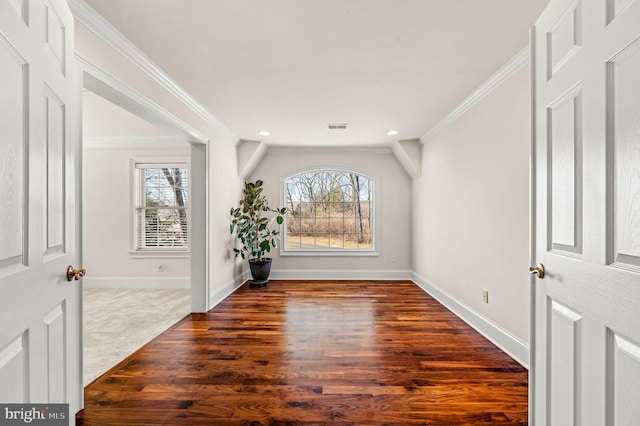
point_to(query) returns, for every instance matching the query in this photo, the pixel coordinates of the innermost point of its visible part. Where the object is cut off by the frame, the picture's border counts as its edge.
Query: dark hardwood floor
(315, 353)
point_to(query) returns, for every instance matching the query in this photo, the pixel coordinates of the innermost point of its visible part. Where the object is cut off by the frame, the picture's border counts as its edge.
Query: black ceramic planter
(260, 270)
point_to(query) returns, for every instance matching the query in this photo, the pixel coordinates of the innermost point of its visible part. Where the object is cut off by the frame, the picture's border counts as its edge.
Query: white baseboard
(137, 282)
(324, 274)
(227, 290)
(510, 344)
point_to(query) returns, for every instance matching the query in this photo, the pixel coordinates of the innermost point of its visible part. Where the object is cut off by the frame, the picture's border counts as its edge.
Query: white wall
(471, 208)
(107, 215)
(394, 209)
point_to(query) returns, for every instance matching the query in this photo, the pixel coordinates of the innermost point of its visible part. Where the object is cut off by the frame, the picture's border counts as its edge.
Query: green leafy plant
(252, 226)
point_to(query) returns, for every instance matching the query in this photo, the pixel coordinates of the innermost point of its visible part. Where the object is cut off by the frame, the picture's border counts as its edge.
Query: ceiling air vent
(337, 126)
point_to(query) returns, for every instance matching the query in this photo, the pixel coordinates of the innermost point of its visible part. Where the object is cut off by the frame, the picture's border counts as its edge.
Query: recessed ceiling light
(264, 133)
(392, 132)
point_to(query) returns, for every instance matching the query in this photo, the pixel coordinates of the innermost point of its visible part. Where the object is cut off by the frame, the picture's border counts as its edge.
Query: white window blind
(161, 207)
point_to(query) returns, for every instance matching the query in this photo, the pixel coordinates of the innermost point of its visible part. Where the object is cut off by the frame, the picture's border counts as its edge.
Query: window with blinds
(161, 207)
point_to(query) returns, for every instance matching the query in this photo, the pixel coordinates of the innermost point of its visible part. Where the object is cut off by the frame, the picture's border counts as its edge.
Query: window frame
(156, 162)
(325, 252)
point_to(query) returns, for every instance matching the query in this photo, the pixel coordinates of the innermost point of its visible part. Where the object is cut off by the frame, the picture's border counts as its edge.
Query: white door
(586, 314)
(40, 346)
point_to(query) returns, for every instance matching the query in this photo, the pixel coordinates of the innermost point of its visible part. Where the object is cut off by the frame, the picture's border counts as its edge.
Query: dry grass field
(331, 241)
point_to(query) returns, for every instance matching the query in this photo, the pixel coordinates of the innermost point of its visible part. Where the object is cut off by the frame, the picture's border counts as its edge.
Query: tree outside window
(162, 207)
(329, 210)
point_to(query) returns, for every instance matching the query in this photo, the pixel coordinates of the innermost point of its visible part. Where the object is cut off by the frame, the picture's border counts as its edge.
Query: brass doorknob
(537, 270)
(75, 274)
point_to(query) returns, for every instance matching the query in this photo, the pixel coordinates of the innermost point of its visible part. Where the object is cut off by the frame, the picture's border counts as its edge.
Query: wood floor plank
(315, 353)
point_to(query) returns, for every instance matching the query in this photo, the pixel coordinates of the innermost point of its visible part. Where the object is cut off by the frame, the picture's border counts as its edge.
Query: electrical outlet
(485, 296)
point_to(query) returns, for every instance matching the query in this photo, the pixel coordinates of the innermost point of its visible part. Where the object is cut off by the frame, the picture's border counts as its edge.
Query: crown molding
(93, 21)
(122, 142)
(126, 97)
(515, 64)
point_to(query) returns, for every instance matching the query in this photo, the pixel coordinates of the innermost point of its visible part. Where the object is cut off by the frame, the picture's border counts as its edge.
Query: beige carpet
(117, 322)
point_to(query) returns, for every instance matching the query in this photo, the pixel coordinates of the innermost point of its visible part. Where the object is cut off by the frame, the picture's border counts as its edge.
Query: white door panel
(39, 309)
(586, 314)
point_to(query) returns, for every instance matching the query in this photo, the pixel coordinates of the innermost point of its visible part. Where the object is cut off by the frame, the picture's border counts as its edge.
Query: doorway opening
(156, 129)
(135, 233)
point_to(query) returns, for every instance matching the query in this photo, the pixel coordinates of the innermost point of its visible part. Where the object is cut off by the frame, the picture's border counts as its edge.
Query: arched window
(329, 210)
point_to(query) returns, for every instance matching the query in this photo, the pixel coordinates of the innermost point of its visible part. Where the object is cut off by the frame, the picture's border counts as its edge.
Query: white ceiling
(294, 66)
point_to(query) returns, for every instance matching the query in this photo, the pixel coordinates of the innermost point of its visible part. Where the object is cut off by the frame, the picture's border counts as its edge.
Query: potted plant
(253, 229)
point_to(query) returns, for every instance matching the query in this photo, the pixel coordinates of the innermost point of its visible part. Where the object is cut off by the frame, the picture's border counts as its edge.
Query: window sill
(160, 254)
